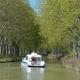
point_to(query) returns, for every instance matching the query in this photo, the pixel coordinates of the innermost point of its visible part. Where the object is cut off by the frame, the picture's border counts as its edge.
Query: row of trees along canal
(18, 30)
(60, 26)
(56, 29)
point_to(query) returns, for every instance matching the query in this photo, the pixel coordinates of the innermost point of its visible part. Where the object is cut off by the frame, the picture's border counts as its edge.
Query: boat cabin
(33, 57)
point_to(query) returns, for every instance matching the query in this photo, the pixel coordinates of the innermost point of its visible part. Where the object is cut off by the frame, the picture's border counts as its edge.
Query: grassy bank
(9, 58)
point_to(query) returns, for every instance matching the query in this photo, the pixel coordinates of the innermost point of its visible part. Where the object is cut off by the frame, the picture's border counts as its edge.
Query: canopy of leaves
(60, 23)
(17, 23)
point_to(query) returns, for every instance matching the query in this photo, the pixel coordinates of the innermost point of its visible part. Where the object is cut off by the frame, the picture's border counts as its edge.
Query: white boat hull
(34, 64)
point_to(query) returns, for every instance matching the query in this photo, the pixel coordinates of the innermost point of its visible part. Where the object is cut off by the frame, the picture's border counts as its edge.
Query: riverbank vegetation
(62, 33)
(18, 30)
(55, 31)
(61, 19)
(4, 59)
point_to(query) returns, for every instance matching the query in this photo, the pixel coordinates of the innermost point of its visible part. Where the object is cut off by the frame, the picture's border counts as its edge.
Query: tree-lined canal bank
(53, 33)
(16, 71)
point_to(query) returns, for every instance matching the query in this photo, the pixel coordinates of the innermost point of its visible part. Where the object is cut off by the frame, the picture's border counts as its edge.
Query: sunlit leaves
(58, 17)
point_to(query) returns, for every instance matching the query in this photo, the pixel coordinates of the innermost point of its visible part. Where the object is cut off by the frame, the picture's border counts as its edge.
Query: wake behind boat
(34, 60)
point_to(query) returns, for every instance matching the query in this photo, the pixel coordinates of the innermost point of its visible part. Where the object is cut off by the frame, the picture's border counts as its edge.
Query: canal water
(32, 73)
(20, 71)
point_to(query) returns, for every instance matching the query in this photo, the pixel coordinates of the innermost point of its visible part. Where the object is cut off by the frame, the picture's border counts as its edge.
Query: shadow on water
(32, 73)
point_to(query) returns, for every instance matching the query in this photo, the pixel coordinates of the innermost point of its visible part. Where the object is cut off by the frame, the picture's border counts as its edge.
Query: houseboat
(34, 60)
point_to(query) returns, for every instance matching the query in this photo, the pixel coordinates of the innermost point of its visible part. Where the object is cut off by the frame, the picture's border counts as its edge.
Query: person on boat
(33, 59)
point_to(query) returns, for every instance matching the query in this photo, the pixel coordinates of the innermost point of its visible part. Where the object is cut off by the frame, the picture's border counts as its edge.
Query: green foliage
(60, 23)
(17, 24)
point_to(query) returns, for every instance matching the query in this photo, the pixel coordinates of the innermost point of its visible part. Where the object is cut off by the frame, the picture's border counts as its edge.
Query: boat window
(38, 59)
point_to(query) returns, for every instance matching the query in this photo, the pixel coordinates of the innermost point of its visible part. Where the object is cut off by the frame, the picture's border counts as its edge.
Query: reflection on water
(32, 73)
(19, 71)
(10, 71)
